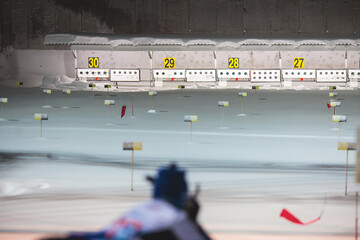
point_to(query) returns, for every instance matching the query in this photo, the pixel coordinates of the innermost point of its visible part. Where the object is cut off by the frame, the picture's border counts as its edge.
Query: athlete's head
(170, 184)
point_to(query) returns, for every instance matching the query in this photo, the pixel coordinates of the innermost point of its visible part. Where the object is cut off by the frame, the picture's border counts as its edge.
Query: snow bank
(115, 41)
(168, 42)
(228, 44)
(121, 42)
(201, 42)
(254, 42)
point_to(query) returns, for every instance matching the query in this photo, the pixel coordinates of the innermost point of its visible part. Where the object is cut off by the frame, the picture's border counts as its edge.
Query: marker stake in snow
(357, 168)
(181, 88)
(339, 119)
(46, 92)
(255, 87)
(19, 84)
(356, 214)
(152, 94)
(133, 146)
(223, 104)
(242, 95)
(190, 119)
(132, 107)
(109, 103)
(333, 95)
(91, 85)
(348, 146)
(334, 105)
(107, 86)
(66, 92)
(2, 101)
(41, 117)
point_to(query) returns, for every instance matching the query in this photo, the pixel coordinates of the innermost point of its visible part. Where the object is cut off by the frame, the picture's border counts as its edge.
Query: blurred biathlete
(170, 215)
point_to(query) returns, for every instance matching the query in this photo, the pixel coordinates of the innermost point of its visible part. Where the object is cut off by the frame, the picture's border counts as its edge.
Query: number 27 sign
(299, 62)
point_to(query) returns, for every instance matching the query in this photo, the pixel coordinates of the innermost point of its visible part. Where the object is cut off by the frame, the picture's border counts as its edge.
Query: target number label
(299, 62)
(94, 62)
(233, 62)
(169, 62)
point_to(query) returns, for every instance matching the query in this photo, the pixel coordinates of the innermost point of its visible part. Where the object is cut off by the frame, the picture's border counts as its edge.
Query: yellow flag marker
(107, 86)
(181, 88)
(335, 104)
(19, 84)
(132, 146)
(92, 85)
(339, 118)
(332, 88)
(255, 87)
(152, 93)
(333, 95)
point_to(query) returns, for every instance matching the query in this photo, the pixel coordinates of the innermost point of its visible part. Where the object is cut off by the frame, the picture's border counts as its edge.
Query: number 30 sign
(93, 62)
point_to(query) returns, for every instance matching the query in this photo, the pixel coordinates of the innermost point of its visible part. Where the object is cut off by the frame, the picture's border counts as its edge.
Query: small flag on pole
(123, 110)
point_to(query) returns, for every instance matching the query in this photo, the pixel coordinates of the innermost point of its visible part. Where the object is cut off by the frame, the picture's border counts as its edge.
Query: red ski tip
(290, 217)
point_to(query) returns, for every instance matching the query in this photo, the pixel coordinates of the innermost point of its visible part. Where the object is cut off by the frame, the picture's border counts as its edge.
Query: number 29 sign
(169, 62)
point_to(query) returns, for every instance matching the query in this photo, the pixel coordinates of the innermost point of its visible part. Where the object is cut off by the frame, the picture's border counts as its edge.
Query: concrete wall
(25, 23)
(30, 66)
(206, 59)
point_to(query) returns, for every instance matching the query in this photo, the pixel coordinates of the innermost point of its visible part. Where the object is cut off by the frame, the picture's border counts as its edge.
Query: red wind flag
(289, 216)
(328, 105)
(123, 110)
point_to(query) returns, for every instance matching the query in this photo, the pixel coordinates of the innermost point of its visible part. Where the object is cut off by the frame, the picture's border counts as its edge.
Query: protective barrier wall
(212, 66)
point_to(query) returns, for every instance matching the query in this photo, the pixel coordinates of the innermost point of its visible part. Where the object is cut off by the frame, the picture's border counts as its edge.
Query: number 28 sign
(233, 63)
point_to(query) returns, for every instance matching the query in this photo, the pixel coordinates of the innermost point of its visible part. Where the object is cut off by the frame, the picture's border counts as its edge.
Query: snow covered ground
(282, 154)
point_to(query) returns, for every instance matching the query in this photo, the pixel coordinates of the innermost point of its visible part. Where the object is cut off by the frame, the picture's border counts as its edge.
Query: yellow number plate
(233, 62)
(169, 62)
(299, 62)
(94, 62)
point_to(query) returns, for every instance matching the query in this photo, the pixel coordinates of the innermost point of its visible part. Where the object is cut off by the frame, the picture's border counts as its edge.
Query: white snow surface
(282, 154)
(235, 43)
